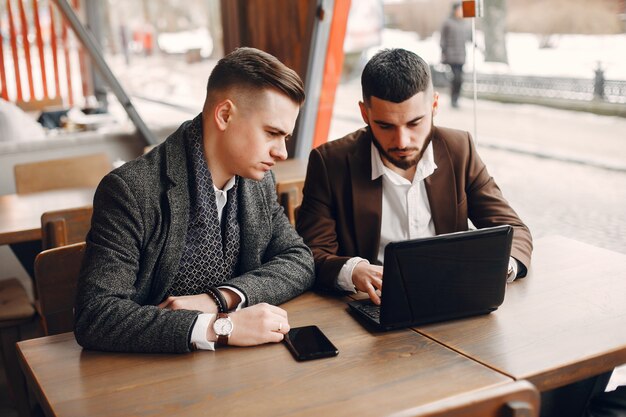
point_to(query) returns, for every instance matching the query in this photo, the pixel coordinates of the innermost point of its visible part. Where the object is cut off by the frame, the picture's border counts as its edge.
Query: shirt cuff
(344, 279)
(513, 267)
(198, 333)
(239, 293)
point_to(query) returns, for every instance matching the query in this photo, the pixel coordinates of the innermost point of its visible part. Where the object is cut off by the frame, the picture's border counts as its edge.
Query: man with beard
(398, 178)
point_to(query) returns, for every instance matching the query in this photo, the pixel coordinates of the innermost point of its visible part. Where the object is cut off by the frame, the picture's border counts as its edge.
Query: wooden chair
(65, 227)
(56, 275)
(515, 399)
(80, 171)
(16, 312)
(290, 196)
(35, 105)
(296, 211)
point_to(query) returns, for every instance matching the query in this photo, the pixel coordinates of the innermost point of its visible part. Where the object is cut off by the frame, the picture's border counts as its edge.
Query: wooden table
(374, 374)
(563, 323)
(20, 214)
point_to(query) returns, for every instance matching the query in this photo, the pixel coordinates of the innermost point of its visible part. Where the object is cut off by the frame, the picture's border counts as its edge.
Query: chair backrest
(81, 171)
(65, 227)
(56, 275)
(515, 399)
(290, 196)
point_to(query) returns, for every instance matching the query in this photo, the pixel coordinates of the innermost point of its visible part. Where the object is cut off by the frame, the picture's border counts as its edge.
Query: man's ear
(435, 103)
(364, 115)
(222, 113)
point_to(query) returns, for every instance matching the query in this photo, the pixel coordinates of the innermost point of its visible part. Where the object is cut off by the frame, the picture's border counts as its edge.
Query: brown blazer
(340, 215)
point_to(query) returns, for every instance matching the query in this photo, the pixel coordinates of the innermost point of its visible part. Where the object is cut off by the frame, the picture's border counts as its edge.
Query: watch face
(223, 327)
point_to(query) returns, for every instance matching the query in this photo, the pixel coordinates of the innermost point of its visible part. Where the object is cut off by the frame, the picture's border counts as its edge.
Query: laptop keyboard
(371, 310)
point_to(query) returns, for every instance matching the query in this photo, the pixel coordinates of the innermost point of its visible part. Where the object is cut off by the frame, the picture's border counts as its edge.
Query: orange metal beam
(16, 59)
(26, 46)
(332, 71)
(85, 76)
(68, 68)
(3, 77)
(42, 60)
(55, 57)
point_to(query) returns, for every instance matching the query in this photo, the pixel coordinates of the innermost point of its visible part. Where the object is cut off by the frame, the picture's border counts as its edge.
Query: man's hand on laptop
(368, 278)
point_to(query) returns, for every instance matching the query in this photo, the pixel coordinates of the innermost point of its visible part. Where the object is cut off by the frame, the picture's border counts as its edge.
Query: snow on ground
(571, 56)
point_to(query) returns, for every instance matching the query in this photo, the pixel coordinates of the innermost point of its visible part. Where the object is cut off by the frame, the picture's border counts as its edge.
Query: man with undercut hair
(188, 247)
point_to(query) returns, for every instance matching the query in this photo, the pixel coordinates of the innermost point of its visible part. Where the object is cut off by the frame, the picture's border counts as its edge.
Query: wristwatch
(223, 328)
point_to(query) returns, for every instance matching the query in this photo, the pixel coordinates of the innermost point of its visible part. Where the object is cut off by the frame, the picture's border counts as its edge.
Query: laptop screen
(452, 275)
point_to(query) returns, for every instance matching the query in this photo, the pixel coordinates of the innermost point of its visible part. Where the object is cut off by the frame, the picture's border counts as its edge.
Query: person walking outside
(454, 35)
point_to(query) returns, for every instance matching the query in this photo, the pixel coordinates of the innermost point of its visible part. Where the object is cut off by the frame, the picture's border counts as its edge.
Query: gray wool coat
(136, 240)
(454, 35)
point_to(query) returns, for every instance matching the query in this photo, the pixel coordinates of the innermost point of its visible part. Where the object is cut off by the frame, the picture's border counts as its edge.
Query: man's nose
(402, 138)
(279, 150)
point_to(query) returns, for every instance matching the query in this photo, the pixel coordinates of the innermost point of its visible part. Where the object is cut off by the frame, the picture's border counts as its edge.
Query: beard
(403, 162)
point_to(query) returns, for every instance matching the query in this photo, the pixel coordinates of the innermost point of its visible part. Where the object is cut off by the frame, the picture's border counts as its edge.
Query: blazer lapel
(175, 214)
(251, 213)
(441, 189)
(367, 198)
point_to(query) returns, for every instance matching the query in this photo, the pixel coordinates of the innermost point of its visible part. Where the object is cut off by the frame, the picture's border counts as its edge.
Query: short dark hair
(257, 70)
(395, 75)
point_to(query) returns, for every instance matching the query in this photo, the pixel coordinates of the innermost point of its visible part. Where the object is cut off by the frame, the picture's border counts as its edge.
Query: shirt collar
(230, 184)
(425, 167)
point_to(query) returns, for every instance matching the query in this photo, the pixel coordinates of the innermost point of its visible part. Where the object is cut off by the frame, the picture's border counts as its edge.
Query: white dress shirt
(405, 211)
(204, 320)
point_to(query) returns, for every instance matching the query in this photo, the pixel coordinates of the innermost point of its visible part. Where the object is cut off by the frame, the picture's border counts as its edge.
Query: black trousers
(577, 399)
(608, 404)
(457, 82)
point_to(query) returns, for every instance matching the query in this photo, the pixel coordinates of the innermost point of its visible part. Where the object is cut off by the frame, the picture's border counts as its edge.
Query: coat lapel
(441, 189)
(367, 202)
(251, 212)
(175, 212)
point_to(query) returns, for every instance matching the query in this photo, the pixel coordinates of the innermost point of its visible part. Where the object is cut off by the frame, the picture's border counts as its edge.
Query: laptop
(440, 278)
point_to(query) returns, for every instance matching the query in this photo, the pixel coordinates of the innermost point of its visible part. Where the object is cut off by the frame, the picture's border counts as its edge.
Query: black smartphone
(308, 342)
